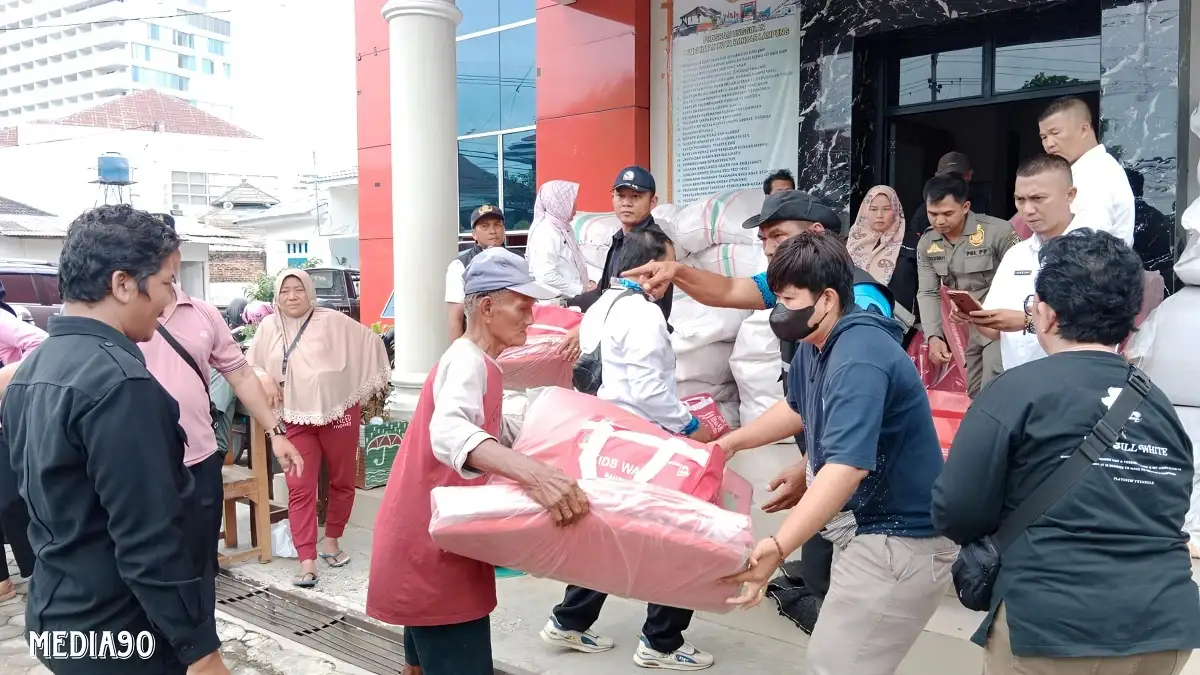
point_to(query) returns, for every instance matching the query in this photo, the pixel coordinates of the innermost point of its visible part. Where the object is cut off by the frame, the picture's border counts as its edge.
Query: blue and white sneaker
(686, 657)
(581, 641)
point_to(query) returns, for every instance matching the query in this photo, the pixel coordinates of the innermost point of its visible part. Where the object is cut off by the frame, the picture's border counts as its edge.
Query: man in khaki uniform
(962, 251)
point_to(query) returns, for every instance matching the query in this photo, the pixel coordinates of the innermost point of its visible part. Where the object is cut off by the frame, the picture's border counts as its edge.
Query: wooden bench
(251, 485)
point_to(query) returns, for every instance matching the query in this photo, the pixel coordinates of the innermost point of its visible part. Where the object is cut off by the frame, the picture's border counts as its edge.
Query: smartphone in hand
(964, 302)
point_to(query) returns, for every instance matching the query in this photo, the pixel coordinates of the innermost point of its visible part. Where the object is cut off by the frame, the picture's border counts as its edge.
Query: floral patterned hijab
(872, 251)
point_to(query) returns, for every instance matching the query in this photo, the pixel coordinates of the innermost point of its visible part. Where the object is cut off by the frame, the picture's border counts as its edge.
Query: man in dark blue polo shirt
(873, 458)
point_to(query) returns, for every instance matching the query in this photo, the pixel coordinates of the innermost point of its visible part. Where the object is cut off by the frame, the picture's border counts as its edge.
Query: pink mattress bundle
(537, 363)
(655, 531)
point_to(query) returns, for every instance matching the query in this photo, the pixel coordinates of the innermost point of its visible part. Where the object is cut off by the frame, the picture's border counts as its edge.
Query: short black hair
(782, 174)
(944, 185)
(641, 246)
(1137, 182)
(1093, 281)
(109, 239)
(813, 262)
(1067, 104)
(1044, 163)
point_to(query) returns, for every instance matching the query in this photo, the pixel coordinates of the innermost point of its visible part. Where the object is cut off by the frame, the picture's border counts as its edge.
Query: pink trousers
(335, 444)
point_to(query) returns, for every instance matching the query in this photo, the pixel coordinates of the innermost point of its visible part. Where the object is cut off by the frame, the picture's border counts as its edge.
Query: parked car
(31, 286)
(337, 288)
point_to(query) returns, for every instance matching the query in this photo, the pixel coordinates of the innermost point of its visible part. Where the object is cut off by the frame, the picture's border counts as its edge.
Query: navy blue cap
(794, 205)
(635, 177)
(486, 210)
(498, 269)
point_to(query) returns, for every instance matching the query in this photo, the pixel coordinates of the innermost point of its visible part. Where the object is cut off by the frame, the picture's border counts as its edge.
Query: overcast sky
(294, 78)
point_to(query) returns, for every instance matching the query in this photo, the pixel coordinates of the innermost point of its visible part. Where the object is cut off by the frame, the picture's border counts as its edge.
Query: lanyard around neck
(287, 350)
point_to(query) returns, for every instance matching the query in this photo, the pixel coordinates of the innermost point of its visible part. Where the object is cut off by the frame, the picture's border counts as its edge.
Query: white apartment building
(60, 56)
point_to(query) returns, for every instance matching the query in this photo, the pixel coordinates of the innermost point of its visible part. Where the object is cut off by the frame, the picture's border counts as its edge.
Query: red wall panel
(374, 159)
(374, 102)
(593, 97)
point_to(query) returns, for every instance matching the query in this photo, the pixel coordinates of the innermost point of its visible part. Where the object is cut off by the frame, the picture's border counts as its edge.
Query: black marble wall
(840, 157)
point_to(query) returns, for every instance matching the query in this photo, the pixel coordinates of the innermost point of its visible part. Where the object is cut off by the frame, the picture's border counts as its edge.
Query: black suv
(32, 285)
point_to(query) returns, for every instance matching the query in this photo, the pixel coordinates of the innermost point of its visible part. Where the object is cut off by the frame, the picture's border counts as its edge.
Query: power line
(100, 21)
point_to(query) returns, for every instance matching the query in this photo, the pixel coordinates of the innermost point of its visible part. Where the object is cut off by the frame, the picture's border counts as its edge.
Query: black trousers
(458, 649)
(210, 494)
(14, 527)
(663, 628)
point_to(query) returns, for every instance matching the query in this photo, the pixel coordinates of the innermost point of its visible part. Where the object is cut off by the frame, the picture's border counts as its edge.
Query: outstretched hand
(654, 276)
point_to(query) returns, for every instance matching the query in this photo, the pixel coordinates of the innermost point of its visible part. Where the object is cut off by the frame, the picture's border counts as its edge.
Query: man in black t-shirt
(1102, 581)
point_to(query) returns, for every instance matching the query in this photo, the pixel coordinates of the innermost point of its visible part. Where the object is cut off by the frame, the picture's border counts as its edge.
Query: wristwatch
(277, 430)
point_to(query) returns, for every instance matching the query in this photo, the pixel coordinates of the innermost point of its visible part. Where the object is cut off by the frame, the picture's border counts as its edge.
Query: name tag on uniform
(1022, 273)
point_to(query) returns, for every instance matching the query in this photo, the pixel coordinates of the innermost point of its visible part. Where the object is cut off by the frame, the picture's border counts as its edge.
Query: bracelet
(779, 548)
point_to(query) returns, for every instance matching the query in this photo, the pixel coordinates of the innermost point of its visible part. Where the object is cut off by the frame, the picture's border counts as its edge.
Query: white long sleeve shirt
(1103, 199)
(638, 360)
(550, 261)
(456, 426)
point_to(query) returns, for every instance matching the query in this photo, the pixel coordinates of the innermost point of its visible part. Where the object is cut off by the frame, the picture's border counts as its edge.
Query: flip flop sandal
(306, 580)
(331, 559)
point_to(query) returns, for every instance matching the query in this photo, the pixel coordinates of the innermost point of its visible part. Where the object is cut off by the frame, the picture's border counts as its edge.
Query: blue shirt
(864, 406)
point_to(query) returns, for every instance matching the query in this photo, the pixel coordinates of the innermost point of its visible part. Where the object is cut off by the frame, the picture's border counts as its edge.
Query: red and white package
(589, 438)
(704, 407)
(638, 541)
(948, 411)
(538, 363)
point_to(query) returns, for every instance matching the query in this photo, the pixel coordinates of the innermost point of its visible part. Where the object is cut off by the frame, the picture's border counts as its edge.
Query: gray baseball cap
(498, 269)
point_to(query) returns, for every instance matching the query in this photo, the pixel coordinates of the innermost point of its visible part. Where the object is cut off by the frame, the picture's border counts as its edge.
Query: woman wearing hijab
(555, 259)
(17, 340)
(317, 366)
(881, 245)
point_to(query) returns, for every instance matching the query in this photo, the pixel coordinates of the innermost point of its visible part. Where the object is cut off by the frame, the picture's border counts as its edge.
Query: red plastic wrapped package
(537, 363)
(949, 377)
(948, 411)
(704, 407)
(589, 438)
(638, 541)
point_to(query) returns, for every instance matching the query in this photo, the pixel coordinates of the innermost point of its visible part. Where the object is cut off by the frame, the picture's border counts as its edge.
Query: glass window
(47, 286)
(154, 31)
(187, 62)
(182, 39)
(512, 11)
(479, 84)
(478, 182)
(941, 77)
(519, 186)
(1048, 64)
(479, 15)
(137, 73)
(216, 47)
(207, 66)
(228, 70)
(518, 77)
(19, 288)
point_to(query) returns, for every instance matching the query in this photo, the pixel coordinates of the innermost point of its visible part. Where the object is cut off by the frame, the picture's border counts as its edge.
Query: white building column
(424, 107)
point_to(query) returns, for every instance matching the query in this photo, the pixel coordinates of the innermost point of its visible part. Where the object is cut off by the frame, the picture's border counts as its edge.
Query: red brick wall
(235, 266)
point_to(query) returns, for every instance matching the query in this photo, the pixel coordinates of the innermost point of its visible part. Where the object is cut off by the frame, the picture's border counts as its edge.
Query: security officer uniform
(965, 265)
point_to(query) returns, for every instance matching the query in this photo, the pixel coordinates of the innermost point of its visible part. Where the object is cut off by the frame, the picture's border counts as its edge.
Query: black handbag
(588, 371)
(978, 562)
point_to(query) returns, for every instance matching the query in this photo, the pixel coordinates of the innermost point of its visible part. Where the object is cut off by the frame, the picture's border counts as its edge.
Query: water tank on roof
(113, 169)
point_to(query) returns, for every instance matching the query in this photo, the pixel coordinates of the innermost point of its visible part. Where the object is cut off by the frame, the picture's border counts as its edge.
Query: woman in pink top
(17, 339)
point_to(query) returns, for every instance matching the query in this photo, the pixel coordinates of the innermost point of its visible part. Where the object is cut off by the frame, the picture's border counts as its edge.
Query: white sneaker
(686, 657)
(581, 641)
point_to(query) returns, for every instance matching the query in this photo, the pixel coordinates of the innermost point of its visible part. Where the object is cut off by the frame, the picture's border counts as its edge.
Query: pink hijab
(872, 251)
(555, 206)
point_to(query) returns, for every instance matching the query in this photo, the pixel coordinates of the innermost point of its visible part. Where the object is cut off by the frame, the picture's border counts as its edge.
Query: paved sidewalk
(246, 649)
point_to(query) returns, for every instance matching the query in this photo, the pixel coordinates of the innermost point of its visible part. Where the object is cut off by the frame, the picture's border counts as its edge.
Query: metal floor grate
(324, 628)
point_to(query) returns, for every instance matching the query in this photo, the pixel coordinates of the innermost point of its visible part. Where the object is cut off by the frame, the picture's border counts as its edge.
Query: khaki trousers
(882, 593)
(984, 361)
(998, 659)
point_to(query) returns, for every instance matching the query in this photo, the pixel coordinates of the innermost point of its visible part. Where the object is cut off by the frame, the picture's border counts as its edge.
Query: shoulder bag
(978, 562)
(588, 371)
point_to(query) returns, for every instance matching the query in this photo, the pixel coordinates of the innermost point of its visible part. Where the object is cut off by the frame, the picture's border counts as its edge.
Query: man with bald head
(1104, 199)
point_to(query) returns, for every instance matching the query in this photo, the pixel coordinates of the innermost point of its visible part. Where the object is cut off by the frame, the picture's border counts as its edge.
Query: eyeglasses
(1030, 303)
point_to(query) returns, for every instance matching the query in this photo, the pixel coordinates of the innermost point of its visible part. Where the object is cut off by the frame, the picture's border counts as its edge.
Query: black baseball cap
(794, 205)
(486, 210)
(954, 162)
(636, 178)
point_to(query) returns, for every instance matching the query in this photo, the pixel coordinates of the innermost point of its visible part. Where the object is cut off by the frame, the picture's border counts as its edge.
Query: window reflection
(512, 11)
(941, 77)
(484, 14)
(1048, 64)
(479, 84)
(519, 186)
(518, 87)
(478, 176)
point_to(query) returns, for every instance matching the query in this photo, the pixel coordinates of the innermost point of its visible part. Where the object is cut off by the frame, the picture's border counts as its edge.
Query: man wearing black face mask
(868, 482)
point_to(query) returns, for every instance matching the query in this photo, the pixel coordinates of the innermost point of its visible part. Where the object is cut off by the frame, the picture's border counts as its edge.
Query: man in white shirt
(1044, 195)
(487, 229)
(1105, 199)
(639, 376)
